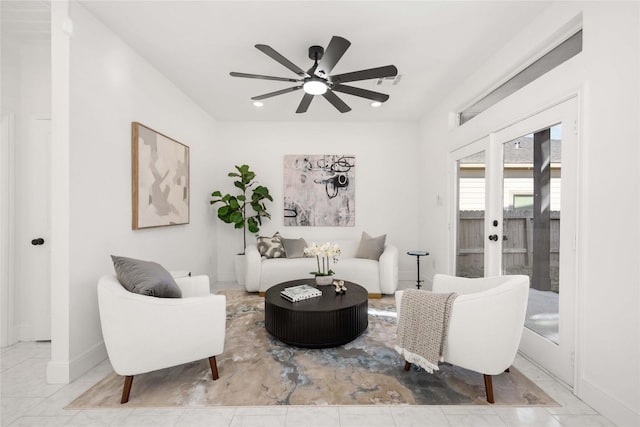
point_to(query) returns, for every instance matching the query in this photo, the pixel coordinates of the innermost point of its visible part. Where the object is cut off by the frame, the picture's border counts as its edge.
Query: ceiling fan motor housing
(316, 53)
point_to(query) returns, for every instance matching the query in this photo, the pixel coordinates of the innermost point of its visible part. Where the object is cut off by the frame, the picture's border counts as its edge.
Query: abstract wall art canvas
(160, 184)
(319, 190)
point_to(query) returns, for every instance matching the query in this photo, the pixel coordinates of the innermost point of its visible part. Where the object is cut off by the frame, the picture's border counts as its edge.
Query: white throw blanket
(422, 327)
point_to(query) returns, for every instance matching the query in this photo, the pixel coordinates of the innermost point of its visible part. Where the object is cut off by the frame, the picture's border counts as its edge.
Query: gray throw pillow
(145, 278)
(271, 247)
(294, 247)
(371, 247)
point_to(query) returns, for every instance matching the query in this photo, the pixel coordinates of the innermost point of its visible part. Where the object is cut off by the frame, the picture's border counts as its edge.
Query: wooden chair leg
(128, 380)
(214, 367)
(407, 365)
(488, 386)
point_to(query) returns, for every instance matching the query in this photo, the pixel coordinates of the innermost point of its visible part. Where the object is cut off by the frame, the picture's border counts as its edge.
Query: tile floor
(27, 400)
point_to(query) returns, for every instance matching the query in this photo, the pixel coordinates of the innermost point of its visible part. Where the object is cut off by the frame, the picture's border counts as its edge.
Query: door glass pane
(471, 208)
(531, 223)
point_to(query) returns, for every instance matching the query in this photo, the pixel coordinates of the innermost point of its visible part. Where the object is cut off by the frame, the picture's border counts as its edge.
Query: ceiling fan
(318, 79)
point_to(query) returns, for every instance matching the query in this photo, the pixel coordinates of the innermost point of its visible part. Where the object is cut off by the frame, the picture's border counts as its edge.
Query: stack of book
(300, 292)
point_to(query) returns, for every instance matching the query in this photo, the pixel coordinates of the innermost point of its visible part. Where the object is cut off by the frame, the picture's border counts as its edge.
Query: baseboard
(426, 284)
(24, 333)
(226, 276)
(64, 372)
(607, 405)
(408, 275)
(87, 360)
(58, 372)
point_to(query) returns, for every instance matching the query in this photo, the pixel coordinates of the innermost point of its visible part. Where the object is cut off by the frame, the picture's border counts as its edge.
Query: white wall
(10, 74)
(386, 184)
(606, 74)
(111, 86)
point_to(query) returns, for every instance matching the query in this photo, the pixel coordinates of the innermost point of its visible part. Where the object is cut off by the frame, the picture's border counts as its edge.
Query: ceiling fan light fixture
(319, 80)
(258, 104)
(376, 104)
(314, 86)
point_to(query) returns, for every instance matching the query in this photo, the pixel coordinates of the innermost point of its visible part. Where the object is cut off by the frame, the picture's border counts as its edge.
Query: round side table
(418, 254)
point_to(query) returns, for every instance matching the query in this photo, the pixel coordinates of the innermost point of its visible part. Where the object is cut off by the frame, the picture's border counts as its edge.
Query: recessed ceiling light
(258, 104)
(376, 104)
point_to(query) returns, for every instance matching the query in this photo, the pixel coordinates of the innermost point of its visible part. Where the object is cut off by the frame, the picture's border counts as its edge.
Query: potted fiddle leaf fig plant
(244, 210)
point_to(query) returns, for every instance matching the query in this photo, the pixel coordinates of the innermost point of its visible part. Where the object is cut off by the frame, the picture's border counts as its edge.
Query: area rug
(257, 369)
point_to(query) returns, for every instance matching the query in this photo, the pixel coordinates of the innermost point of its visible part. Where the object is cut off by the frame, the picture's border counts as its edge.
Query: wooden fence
(517, 244)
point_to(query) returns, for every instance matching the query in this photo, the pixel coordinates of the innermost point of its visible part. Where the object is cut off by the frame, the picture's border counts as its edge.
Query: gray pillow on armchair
(145, 278)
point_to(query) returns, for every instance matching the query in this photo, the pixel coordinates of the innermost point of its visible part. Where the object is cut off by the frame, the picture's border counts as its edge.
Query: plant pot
(241, 269)
(324, 280)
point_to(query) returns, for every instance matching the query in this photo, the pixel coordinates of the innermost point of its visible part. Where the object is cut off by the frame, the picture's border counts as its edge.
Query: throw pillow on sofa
(145, 278)
(371, 247)
(294, 248)
(271, 247)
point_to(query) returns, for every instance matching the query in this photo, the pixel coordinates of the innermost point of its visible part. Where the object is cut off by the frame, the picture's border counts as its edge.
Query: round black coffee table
(329, 320)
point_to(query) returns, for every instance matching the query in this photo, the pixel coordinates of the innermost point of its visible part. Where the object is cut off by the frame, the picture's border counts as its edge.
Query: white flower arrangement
(323, 252)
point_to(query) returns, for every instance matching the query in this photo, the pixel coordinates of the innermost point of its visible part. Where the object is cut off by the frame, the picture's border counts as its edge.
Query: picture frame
(160, 179)
(319, 190)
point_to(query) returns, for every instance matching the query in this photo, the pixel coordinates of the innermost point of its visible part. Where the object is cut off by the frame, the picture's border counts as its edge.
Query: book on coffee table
(300, 292)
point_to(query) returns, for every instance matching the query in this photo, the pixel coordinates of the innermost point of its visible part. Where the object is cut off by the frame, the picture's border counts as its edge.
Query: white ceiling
(434, 45)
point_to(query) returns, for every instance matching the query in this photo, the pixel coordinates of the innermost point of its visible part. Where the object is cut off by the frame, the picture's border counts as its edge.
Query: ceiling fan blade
(258, 76)
(304, 104)
(371, 73)
(278, 92)
(271, 53)
(332, 54)
(336, 102)
(363, 93)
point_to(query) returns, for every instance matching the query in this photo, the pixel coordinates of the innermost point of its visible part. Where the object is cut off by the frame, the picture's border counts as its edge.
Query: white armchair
(486, 322)
(144, 334)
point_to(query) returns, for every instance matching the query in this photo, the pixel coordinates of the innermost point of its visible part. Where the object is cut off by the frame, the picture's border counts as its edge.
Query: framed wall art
(160, 179)
(319, 190)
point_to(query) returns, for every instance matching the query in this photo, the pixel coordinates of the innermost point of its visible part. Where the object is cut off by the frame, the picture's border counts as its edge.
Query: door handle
(37, 242)
(493, 237)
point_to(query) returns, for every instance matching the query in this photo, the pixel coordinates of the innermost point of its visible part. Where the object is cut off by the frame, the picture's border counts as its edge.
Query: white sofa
(377, 277)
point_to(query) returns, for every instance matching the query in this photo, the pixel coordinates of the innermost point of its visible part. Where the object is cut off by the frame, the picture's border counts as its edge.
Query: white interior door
(32, 220)
(516, 214)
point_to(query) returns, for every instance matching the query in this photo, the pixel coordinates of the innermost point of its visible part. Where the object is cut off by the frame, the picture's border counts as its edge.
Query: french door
(516, 210)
